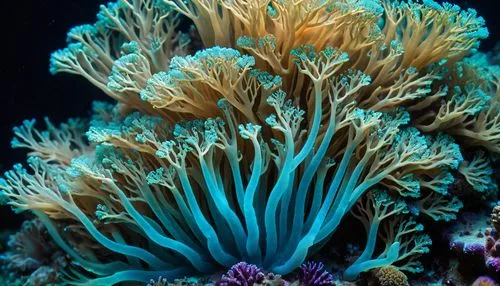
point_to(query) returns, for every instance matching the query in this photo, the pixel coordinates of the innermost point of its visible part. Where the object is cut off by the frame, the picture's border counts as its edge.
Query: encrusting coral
(484, 281)
(257, 146)
(391, 276)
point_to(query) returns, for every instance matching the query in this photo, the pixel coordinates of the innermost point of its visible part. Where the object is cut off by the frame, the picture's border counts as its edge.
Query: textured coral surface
(261, 133)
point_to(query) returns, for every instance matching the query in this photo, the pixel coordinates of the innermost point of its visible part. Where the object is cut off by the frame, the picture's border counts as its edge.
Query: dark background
(32, 29)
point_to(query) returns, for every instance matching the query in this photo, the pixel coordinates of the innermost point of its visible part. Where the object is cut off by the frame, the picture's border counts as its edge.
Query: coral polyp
(252, 137)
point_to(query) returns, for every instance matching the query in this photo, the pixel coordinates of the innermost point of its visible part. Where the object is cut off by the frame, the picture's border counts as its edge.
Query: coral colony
(250, 140)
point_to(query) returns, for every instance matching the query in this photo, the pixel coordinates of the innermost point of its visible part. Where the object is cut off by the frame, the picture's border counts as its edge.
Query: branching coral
(312, 273)
(402, 242)
(97, 52)
(484, 280)
(478, 173)
(258, 146)
(473, 115)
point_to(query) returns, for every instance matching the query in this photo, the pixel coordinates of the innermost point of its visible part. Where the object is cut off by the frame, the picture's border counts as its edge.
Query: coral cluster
(243, 273)
(240, 274)
(477, 244)
(256, 143)
(32, 258)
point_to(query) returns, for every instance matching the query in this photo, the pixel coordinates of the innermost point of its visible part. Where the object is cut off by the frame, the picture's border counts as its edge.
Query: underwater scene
(251, 142)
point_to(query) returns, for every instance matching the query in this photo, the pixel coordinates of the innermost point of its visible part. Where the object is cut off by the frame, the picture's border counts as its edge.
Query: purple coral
(313, 274)
(243, 274)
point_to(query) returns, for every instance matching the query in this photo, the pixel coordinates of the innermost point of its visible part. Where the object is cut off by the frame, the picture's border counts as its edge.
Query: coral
(402, 238)
(495, 217)
(256, 148)
(484, 281)
(467, 234)
(239, 274)
(478, 173)
(483, 129)
(32, 255)
(177, 282)
(242, 274)
(391, 276)
(476, 243)
(314, 274)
